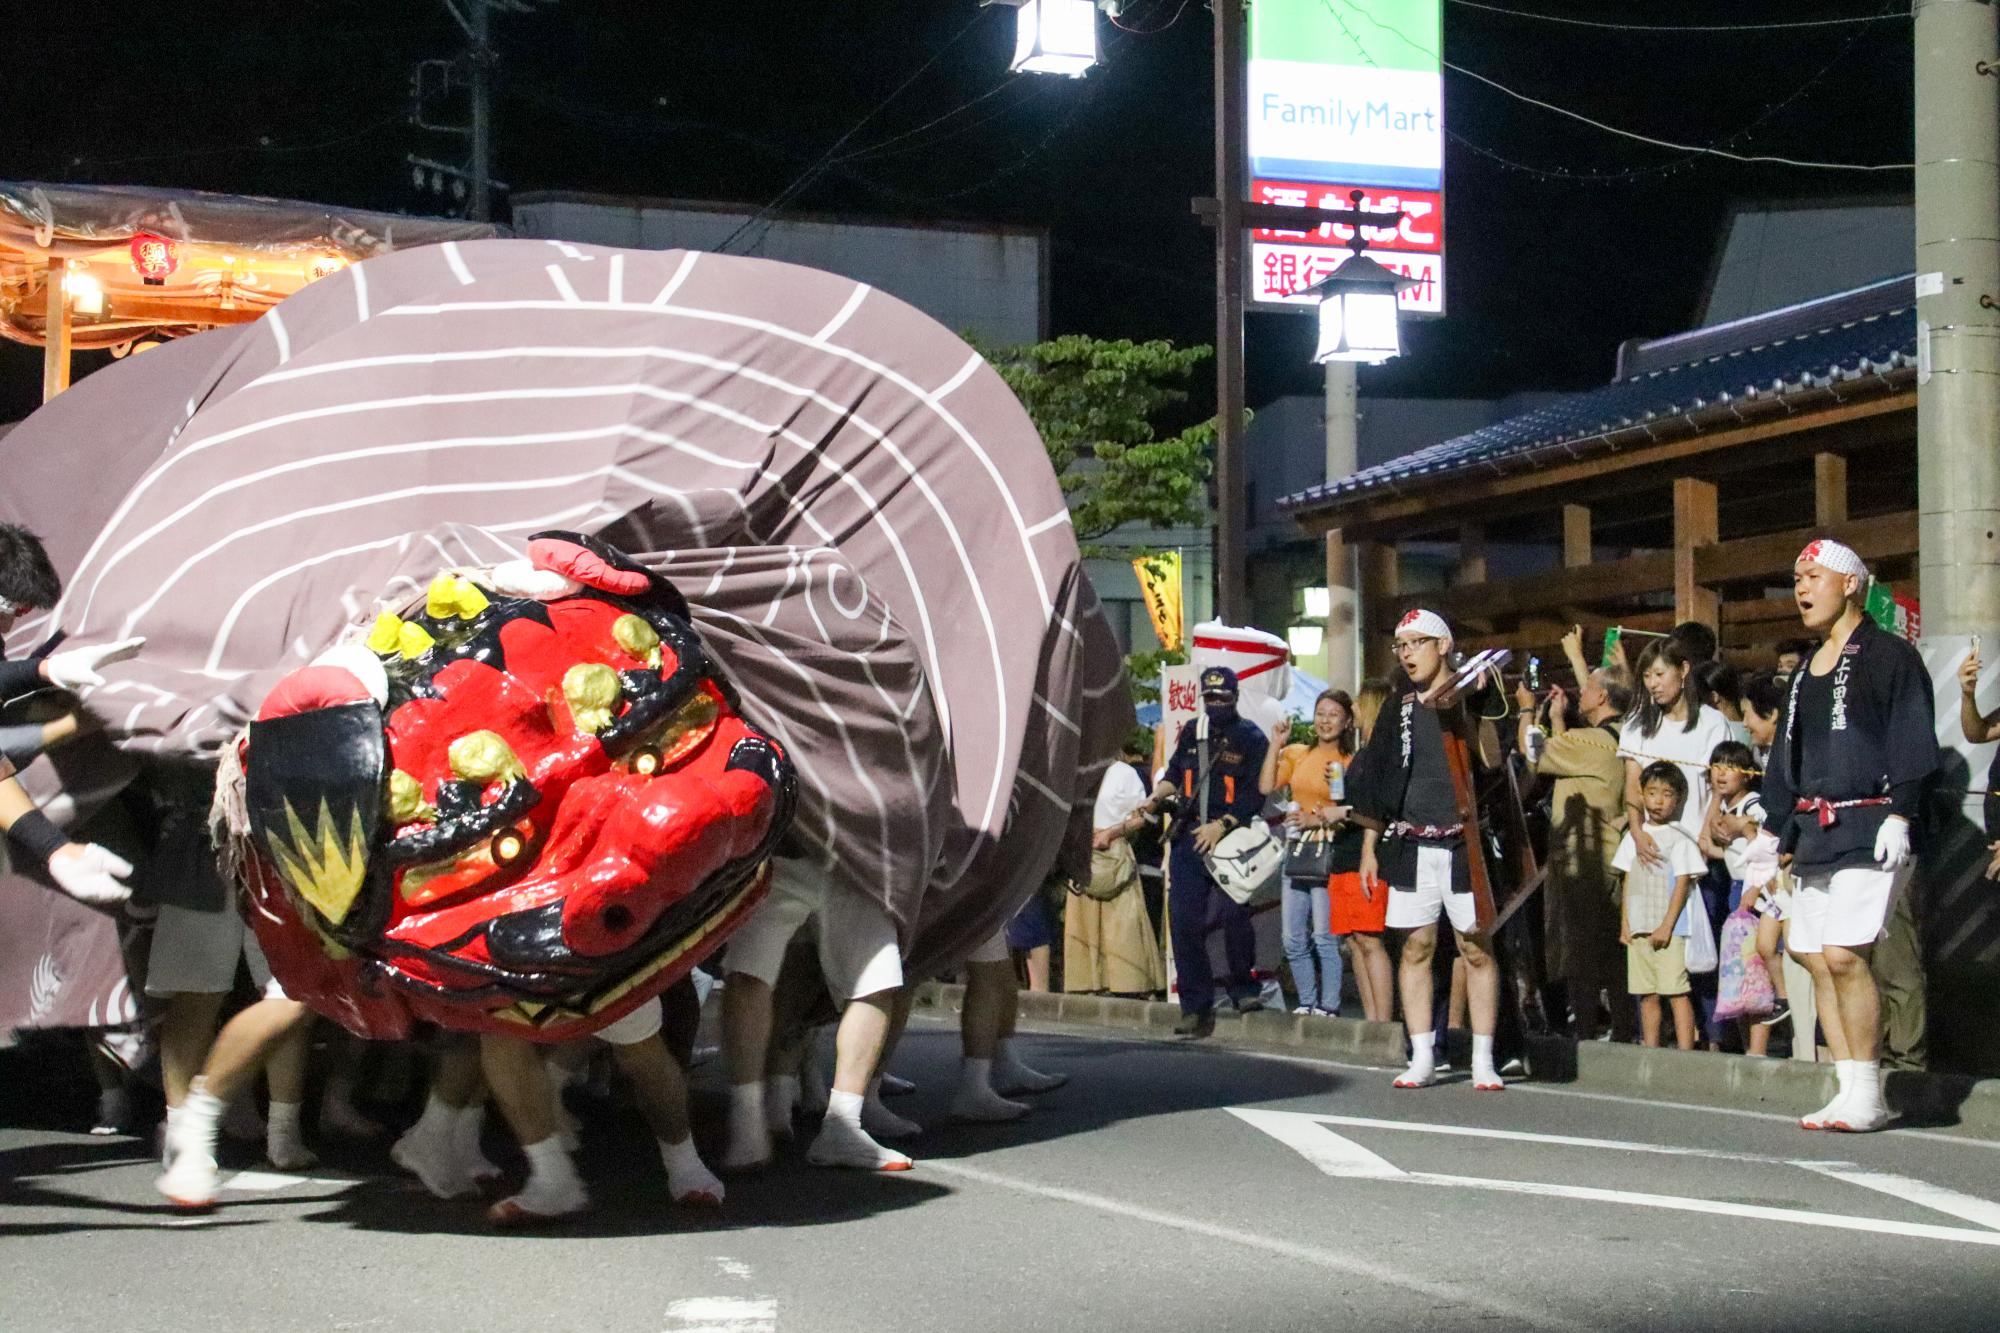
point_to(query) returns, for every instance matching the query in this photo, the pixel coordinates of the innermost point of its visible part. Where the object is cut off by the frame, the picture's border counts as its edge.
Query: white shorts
(635, 1027)
(1413, 909)
(195, 953)
(1844, 908)
(857, 941)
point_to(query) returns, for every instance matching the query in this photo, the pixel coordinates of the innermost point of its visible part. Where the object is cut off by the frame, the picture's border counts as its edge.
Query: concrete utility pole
(1232, 575)
(1343, 447)
(481, 206)
(1958, 302)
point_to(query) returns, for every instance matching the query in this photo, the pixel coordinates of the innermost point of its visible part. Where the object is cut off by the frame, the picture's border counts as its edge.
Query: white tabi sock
(976, 1099)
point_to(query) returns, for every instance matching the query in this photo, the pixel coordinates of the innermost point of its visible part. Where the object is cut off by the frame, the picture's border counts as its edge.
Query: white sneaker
(1305, 1009)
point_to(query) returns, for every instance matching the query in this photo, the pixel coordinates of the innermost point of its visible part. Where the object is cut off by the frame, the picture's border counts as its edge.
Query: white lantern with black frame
(1359, 312)
(1054, 36)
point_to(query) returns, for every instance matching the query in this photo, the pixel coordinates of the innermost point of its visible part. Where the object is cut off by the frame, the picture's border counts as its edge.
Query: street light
(1306, 640)
(1358, 305)
(1319, 601)
(1054, 36)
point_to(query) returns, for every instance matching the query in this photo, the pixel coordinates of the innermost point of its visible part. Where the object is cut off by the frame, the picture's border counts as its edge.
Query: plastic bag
(1744, 988)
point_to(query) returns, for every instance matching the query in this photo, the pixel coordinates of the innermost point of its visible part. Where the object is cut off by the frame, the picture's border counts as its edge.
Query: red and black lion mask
(554, 812)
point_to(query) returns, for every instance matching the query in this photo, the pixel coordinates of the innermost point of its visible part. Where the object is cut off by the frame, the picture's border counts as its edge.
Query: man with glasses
(1415, 843)
(1213, 776)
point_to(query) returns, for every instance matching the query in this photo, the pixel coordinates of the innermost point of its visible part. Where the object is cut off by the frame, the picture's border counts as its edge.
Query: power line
(1684, 27)
(1707, 150)
(813, 172)
(1147, 32)
(877, 148)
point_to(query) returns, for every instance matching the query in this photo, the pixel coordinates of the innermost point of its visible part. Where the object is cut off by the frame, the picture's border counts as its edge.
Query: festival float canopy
(859, 511)
(103, 266)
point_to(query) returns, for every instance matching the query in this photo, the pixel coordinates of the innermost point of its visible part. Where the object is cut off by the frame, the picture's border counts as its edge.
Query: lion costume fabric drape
(857, 509)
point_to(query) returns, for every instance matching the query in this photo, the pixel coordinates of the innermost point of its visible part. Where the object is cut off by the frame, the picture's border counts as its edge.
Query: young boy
(1653, 924)
(1734, 835)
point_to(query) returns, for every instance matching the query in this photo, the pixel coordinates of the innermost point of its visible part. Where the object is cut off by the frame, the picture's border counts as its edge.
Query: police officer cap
(1218, 680)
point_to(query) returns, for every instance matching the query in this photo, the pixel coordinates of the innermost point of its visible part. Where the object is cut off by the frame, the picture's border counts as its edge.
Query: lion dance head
(526, 814)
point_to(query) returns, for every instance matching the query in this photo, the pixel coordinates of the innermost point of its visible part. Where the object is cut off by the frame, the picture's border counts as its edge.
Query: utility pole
(1958, 313)
(481, 207)
(1232, 575)
(1343, 449)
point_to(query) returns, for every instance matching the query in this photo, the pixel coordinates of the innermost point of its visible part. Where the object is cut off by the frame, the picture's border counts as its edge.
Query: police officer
(1220, 754)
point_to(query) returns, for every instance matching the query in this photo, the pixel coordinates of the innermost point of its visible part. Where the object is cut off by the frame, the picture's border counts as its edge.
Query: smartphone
(1535, 674)
(1975, 647)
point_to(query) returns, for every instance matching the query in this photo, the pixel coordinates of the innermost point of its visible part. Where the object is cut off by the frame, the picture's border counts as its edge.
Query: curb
(1964, 1106)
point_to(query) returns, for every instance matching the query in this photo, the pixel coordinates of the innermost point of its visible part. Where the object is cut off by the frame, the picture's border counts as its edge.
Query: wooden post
(55, 343)
(1576, 536)
(1380, 582)
(1471, 555)
(1346, 601)
(1829, 489)
(1695, 525)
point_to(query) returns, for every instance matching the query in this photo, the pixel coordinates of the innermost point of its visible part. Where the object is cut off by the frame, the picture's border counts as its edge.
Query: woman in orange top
(1316, 775)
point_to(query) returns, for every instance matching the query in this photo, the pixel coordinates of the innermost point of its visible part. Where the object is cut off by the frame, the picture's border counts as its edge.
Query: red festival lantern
(154, 258)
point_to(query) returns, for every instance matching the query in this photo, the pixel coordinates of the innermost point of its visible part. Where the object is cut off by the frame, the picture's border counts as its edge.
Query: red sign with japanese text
(1284, 263)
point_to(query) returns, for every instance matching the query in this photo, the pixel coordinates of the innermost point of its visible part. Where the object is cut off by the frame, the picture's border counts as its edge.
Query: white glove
(518, 578)
(77, 668)
(1892, 844)
(90, 874)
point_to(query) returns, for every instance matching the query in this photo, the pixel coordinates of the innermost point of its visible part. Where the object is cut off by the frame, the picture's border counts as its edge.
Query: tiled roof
(1850, 336)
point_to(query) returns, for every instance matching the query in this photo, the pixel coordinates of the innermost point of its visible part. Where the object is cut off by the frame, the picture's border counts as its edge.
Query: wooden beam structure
(1829, 489)
(1882, 417)
(1376, 564)
(55, 346)
(1695, 525)
(1576, 536)
(1771, 555)
(1471, 554)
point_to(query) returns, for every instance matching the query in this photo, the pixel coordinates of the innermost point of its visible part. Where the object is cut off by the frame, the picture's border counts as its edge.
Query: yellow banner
(1160, 584)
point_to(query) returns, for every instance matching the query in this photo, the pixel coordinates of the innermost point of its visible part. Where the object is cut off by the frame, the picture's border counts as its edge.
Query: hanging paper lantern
(324, 266)
(154, 258)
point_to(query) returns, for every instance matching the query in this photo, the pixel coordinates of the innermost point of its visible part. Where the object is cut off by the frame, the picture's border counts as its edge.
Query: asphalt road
(1168, 1187)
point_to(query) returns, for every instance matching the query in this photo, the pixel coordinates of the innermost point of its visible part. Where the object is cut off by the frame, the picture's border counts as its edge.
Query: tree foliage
(1097, 404)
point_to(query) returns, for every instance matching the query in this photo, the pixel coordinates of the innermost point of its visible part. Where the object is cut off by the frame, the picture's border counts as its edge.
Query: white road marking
(1312, 1137)
(1335, 1154)
(1921, 1192)
(732, 1267)
(1285, 1249)
(1522, 1136)
(723, 1314)
(263, 1182)
(1878, 1225)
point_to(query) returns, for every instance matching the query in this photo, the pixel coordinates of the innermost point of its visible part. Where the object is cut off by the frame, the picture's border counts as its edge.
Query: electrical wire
(877, 149)
(826, 159)
(1777, 26)
(1148, 32)
(1704, 150)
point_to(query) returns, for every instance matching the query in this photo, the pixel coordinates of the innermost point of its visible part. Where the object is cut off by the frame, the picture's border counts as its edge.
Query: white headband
(1831, 555)
(1423, 624)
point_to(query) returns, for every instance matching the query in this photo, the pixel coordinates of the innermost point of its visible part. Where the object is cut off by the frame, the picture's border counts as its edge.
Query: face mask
(1221, 712)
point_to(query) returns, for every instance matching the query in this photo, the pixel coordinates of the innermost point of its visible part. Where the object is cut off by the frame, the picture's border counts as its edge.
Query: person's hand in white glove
(1892, 844)
(77, 668)
(90, 874)
(518, 578)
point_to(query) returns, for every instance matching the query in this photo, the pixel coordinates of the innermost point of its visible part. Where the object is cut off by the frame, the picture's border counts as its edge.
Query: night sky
(1548, 270)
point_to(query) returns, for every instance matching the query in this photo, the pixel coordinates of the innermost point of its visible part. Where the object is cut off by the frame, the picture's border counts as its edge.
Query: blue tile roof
(1851, 336)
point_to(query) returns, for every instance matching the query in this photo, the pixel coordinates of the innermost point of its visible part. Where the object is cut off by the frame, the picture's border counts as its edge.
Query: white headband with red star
(1422, 624)
(1831, 555)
